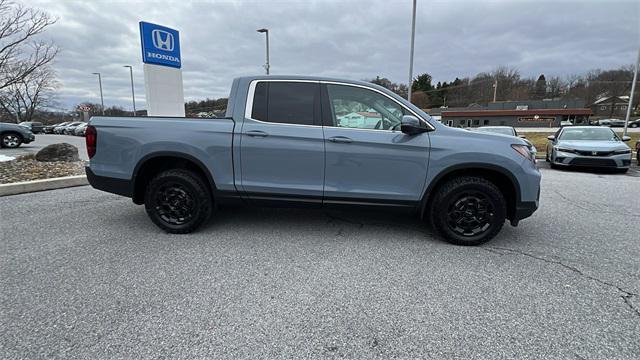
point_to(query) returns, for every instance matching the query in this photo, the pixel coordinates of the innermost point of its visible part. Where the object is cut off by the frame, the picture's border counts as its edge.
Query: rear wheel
(11, 140)
(178, 201)
(468, 210)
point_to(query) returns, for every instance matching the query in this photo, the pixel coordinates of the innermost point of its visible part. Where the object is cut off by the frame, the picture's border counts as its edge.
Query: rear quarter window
(286, 102)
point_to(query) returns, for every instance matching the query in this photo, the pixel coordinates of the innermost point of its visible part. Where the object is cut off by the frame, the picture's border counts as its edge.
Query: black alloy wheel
(178, 201)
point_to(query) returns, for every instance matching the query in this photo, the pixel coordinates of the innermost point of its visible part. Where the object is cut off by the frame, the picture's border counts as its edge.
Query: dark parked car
(12, 135)
(34, 126)
(638, 151)
(634, 123)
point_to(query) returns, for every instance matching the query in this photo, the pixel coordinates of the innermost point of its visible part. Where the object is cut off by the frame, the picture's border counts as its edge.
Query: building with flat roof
(534, 113)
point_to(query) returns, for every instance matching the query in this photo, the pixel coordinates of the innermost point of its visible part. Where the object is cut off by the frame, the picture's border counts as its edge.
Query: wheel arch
(498, 175)
(154, 163)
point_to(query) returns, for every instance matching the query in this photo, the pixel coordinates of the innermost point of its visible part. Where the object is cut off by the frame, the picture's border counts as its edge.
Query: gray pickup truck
(309, 141)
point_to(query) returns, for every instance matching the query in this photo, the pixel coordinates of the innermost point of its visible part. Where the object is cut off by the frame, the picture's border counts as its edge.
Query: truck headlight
(522, 150)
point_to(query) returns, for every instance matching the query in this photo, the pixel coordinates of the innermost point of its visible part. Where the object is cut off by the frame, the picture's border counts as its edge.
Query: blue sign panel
(160, 45)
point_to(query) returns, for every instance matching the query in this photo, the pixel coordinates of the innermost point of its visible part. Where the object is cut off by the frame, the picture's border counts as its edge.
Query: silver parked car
(510, 131)
(589, 146)
(80, 129)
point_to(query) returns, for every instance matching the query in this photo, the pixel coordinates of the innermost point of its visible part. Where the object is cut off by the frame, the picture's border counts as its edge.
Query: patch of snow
(6, 158)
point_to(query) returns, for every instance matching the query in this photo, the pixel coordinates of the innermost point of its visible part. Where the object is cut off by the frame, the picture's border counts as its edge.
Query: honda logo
(162, 40)
(594, 153)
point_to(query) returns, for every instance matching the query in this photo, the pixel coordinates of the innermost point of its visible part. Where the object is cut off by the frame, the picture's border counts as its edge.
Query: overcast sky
(347, 39)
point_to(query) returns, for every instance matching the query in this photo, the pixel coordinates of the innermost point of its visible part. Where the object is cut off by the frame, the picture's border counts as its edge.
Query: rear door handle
(256, 133)
(340, 139)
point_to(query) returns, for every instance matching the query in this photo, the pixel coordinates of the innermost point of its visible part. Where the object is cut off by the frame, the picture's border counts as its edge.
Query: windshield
(603, 134)
(503, 131)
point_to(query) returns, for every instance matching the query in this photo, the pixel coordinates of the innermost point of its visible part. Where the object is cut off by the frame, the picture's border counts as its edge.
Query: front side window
(358, 108)
(286, 102)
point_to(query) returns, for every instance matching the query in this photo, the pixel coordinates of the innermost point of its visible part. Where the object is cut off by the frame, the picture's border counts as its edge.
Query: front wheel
(11, 140)
(178, 201)
(468, 210)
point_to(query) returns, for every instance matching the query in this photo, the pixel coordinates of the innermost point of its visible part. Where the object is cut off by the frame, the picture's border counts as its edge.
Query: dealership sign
(537, 118)
(160, 45)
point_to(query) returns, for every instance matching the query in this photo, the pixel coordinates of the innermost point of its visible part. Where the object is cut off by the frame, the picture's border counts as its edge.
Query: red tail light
(91, 136)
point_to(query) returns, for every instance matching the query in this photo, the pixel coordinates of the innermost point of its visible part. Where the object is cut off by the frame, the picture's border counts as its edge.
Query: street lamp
(100, 84)
(413, 38)
(133, 94)
(266, 31)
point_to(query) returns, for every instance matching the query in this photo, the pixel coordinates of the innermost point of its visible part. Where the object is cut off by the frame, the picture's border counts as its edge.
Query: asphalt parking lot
(85, 274)
(43, 140)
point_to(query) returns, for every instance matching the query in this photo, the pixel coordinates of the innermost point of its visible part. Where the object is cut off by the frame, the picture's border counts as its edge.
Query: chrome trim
(252, 88)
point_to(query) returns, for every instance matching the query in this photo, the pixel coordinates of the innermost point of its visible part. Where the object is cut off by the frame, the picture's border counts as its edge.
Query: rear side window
(286, 102)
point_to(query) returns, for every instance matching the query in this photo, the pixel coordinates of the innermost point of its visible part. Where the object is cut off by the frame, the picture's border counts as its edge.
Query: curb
(42, 185)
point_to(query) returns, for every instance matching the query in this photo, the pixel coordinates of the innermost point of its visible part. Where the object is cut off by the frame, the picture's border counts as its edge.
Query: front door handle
(256, 133)
(340, 139)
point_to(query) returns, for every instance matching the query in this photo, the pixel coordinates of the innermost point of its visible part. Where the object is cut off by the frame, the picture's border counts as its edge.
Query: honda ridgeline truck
(309, 141)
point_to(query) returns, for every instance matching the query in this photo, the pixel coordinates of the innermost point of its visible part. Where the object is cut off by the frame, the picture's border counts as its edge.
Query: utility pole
(133, 94)
(633, 89)
(413, 38)
(100, 84)
(266, 31)
(495, 89)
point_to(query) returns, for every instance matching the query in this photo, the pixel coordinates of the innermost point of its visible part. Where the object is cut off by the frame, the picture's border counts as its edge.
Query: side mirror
(410, 125)
(551, 137)
(522, 136)
(626, 138)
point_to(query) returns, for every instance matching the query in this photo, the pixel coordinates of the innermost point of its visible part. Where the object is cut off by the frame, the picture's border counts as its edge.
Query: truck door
(370, 160)
(282, 147)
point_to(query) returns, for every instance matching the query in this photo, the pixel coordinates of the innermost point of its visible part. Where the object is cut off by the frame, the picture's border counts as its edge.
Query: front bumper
(619, 161)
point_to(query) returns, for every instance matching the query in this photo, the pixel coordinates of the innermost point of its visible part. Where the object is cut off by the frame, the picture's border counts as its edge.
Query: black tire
(546, 157)
(178, 201)
(454, 222)
(11, 140)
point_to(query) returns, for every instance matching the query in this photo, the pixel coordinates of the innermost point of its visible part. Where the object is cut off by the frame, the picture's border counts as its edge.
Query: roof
(517, 112)
(624, 98)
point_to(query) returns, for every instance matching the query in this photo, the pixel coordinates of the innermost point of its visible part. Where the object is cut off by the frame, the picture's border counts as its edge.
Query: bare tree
(21, 52)
(22, 99)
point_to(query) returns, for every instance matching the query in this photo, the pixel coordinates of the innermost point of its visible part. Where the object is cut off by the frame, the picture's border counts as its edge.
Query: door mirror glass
(410, 125)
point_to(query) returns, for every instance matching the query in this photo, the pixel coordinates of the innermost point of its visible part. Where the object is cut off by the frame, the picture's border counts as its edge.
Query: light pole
(133, 94)
(495, 89)
(633, 89)
(100, 84)
(266, 31)
(413, 38)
